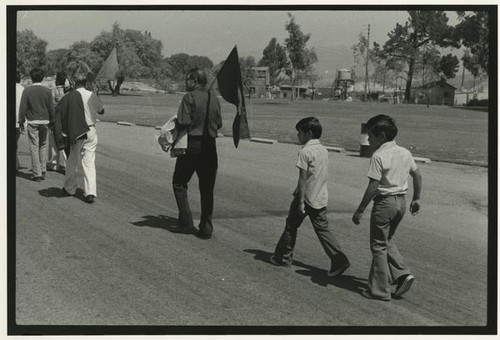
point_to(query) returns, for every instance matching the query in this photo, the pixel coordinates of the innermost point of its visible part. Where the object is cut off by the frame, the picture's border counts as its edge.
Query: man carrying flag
(199, 114)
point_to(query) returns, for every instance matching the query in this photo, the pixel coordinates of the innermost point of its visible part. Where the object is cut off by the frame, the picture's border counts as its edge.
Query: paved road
(116, 262)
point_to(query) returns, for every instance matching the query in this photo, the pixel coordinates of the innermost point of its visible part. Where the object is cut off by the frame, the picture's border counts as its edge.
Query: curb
(421, 160)
(124, 123)
(263, 140)
(335, 149)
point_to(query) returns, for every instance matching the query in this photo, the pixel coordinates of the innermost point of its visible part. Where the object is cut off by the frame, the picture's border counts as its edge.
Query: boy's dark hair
(199, 76)
(382, 124)
(310, 124)
(18, 76)
(61, 78)
(37, 75)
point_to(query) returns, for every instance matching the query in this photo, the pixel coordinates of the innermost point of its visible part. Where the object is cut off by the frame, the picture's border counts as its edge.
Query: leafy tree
(57, 60)
(30, 51)
(247, 65)
(181, 63)
(473, 33)
(423, 29)
(78, 52)
(299, 57)
(274, 57)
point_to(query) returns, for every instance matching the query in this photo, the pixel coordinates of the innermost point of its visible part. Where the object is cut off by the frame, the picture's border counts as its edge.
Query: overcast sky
(213, 33)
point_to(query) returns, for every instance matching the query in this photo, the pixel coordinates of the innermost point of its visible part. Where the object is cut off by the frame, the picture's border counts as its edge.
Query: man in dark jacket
(75, 119)
(200, 114)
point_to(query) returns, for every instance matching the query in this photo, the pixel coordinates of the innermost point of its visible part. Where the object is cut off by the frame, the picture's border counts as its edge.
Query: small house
(435, 93)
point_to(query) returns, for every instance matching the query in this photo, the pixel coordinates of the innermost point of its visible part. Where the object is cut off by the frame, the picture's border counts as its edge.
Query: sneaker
(36, 178)
(337, 271)
(369, 295)
(404, 285)
(275, 261)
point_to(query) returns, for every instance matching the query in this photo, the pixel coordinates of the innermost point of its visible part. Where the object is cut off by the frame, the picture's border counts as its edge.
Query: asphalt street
(116, 262)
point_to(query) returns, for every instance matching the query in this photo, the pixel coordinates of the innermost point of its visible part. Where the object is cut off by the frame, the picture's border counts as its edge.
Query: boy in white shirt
(388, 172)
(310, 199)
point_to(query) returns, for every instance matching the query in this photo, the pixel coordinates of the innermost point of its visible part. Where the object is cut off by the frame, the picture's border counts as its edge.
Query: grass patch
(441, 133)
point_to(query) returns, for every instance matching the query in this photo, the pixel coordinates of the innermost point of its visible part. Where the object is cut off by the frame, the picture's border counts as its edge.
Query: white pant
(57, 159)
(82, 160)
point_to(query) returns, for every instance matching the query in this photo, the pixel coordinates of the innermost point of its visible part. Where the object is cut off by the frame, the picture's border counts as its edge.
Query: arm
(301, 190)
(370, 192)
(417, 189)
(183, 114)
(23, 106)
(50, 106)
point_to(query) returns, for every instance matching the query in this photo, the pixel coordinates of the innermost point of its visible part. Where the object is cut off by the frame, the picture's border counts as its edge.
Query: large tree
(247, 66)
(300, 58)
(423, 29)
(30, 51)
(274, 57)
(57, 60)
(181, 63)
(473, 33)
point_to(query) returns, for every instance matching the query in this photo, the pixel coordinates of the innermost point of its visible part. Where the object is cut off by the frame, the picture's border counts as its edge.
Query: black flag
(231, 89)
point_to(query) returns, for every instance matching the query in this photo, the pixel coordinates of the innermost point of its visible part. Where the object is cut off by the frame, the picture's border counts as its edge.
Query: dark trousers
(203, 161)
(286, 244)
(18, 133)
(387, 263)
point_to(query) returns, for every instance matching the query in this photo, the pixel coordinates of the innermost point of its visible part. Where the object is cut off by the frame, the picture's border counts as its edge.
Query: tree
(247, 65)
(473, 33)
(57, 60)
(299, 57)
(30, 51)
(406, 42)
(78, 52)
(181, 63)
(274, 57)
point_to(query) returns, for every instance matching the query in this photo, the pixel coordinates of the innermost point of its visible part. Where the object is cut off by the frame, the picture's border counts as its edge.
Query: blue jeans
(37, 136)
(286, 244)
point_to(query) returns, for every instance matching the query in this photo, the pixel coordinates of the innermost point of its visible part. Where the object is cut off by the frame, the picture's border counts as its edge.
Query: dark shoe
(368, 295)
(61, 170)
(404, 285)
(203, 235)
(43, 175)
(90, 199)
(65, 193)
(36, 178)
(338, 270)
(275, 261)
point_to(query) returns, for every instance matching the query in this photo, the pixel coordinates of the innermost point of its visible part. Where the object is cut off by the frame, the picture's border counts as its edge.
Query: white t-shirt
(391, 164)
(313, 158)
(19, 94)
(91, 105)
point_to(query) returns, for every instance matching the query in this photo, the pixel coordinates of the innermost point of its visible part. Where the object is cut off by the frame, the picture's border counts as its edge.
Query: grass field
(441, 133)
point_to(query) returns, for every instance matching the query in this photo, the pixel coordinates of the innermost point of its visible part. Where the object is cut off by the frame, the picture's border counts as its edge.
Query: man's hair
(60, 78)
(18, 76)
(80, 79)
(383, 124)
(37, 75)
(310, 124)
(199, 76)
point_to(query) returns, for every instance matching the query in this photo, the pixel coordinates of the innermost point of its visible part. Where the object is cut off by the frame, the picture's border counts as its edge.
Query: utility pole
(367, 57)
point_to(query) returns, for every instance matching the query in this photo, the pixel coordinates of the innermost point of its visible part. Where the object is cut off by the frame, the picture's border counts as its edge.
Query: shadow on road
(24, 175)
(317, 275)
(57, 192)
(163, 222)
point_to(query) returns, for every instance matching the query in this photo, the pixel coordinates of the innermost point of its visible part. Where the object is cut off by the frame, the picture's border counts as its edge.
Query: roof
(436, 83)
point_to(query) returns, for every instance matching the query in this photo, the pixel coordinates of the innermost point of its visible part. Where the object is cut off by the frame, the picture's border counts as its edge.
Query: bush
(478, 102)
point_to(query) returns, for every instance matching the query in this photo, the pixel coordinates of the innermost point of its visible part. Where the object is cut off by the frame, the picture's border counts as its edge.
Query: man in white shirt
(19, 93)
